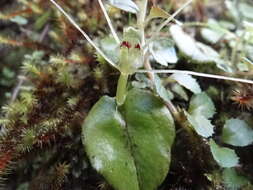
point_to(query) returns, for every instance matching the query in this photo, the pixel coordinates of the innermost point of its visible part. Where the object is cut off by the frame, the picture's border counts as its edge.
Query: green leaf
(200, 110)
(161, 90)
(201, 125)
(19, 20)
(214, 31)
(232, 180)
(196, 51)
(201, 104)
(163, 51)
(237, 132)
(126, 5)
(210, 35)
(111, 48)
(157, 12)
(130, 146)
(180, 91)
(246, 10)
(225, 157)
(187, 81)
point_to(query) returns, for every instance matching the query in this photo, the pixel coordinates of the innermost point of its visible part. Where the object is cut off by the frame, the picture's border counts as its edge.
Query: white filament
(114, 34)
(84, 34)
(198, 74)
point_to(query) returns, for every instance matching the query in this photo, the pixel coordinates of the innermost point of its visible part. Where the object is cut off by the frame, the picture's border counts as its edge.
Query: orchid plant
(128, 138)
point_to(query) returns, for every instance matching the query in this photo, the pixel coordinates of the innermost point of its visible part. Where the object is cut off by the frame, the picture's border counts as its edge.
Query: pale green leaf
(180, 91)
(247, 10)
(210, 35)
(201, 104)
(195, 51)
(225, 157)
(232, 180)
(111, 48)
(161, 90)
(187, 81)
(200, 124)
(163, 51)
(19, 20)
(237, 132)
(126, 5)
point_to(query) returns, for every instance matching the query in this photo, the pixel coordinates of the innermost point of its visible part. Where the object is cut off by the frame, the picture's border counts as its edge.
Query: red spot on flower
(125, 44)
(137, 46)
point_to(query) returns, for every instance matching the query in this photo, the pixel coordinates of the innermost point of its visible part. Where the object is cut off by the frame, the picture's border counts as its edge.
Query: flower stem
(121, 89)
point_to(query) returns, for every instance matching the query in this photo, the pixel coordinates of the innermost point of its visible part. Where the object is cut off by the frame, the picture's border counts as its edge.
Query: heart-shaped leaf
(130, 145)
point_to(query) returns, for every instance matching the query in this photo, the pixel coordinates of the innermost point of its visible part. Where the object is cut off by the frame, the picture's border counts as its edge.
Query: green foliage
(225, 157)
(200, 111)
(233, 180)
(163, 51)
(118, 147)
(236, 132)
(60, 80)
(187, 81)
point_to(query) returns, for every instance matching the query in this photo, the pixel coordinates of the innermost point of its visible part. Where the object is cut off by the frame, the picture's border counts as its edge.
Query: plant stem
(121, 89)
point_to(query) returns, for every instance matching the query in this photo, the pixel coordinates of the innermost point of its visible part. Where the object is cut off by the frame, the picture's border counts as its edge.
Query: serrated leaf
(236, 132)
(135, 138)
(126, 5)
(232, 180)
(157, 12)
(201, 104)
(163, 51)
(187, 81)
(225, 157)
(161, 90)
(196, 51)
(200, 124)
